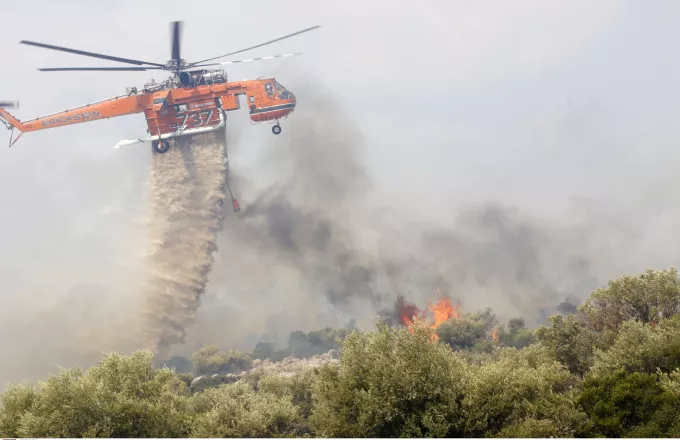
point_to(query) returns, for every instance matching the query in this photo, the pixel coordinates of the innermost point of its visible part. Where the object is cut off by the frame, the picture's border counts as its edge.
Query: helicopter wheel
(276, 129)
(160, 146)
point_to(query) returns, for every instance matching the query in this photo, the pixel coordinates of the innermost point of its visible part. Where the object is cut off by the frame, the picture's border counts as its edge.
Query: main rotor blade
(249, 60)
(175, 29)
(89, 54)
(9, 104)
(259, 45)
(110, 69)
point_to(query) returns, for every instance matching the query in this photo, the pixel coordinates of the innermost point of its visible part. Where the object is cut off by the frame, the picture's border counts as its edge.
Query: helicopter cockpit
(275, 90)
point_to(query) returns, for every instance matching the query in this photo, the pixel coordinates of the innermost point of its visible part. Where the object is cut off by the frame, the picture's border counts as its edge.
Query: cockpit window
(283, 93)
(269, 89)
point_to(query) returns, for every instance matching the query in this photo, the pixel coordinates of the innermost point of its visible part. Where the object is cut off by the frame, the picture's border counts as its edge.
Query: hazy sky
(534, 104)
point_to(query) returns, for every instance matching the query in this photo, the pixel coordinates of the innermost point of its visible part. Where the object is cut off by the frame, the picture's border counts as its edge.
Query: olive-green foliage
(532, 428)
(120, 397)
(299, 387)
(649, 296)
(472, 332)
(124, 396)
(518, 386)
(16, 400)
(461, 333)
(671, 382)
(629, 405)
(390, 383)
(642, 348)
(516, 335)
(237, 410)
(613, 371)
(210, 360)
(213, 381)
(179, 364)
(486, 318)
(266, 350)
(187, 378)
(570, 342)
(516, 324)
(302, 345)
(315, 342)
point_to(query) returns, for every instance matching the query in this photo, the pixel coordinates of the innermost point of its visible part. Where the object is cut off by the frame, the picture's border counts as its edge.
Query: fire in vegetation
(441, 311)
(494, 335)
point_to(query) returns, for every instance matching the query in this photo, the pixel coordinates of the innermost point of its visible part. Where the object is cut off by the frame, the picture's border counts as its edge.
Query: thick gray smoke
(188, 189)
(311, 250)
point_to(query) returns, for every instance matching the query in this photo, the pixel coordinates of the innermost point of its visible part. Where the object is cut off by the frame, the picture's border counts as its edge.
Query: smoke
(317, 248)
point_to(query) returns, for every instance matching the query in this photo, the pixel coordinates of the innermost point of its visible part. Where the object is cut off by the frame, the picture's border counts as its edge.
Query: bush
(17, 400)
(487, 319)
(264, 350)
(390, 383)
(122, 396)
(461, 333)
(613, 371)
(629, 405)
(302, 345)
(641, 348)
(648, 297)
(237, 410)
(570, 342)
(520, 385)
(517, 335)
(210, 360)
(179, 364)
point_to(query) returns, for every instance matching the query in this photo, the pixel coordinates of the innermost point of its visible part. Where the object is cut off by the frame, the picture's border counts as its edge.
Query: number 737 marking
(196, 116)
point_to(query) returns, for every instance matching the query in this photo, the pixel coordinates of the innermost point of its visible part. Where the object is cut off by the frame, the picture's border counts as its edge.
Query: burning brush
(442, 311)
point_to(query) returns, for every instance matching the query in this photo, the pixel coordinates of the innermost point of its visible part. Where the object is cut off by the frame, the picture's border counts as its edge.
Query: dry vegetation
(611, 369)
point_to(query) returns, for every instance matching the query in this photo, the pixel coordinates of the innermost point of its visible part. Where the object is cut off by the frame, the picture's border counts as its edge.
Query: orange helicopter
(193, 100)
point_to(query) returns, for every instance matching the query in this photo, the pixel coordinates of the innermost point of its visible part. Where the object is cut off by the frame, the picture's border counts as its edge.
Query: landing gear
(160, 146)
(276, 129)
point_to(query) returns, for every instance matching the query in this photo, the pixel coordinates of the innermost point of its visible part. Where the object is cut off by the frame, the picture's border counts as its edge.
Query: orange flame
(442, 310)
(407, 312)
(494, 335)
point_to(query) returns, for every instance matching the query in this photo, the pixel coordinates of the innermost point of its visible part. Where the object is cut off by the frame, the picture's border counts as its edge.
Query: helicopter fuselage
(172, 110)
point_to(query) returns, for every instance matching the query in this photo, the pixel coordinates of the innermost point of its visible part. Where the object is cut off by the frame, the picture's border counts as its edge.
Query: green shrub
(122, 396)
(520, 385)
(210, 360)
(237, 410)
(629, 405)
(390, 383)
(639, 347)
(647, 297)
(461, 333)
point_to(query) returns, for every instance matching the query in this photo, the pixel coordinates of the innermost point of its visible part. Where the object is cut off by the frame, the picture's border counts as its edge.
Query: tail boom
(10, 121)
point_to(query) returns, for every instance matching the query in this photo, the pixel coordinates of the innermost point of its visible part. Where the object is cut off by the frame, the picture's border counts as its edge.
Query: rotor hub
(176, 65)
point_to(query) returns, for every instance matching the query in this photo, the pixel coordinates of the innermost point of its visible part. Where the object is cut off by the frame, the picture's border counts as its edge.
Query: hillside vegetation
(610, 370)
